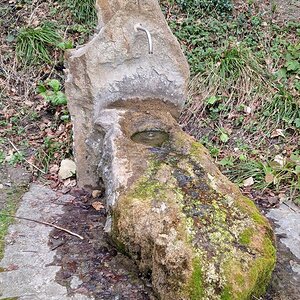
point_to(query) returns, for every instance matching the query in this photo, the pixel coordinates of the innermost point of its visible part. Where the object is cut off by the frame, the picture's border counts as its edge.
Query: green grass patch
(34, 44)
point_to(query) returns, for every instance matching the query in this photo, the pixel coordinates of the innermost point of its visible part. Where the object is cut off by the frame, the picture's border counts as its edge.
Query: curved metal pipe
(141, 28)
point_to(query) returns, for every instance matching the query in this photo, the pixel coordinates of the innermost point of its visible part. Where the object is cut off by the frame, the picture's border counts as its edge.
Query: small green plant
(65, 45)
(51, 92)
(16, 158)
(223, 135)
(65, 116)
(227, 162)
(34, 43)
(292, 64)
(277, 172)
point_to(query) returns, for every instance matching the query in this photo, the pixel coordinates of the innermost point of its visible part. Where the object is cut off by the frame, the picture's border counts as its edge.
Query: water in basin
(153, 137)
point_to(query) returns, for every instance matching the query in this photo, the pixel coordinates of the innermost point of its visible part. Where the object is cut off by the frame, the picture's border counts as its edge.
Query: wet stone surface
(93, 267)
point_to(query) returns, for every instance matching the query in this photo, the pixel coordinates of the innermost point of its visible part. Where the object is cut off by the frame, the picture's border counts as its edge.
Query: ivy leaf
(281, 73)
(297, 122)
(292, 65)
(10, 38)
(297, 85)
(212, 100)
(41, 89)
(60, 99)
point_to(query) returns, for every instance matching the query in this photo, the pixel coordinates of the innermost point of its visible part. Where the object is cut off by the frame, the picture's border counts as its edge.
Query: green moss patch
(246, 236)
(13, 198)
(196, 290)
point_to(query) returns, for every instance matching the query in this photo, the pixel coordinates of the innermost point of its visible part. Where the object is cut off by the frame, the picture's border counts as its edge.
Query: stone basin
(172, 211)
(153, 137)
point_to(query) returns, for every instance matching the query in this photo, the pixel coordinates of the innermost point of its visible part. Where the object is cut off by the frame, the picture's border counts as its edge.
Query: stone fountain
(169, 207)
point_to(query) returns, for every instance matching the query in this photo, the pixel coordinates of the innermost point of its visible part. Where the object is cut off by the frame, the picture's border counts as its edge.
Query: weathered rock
(115, 65)
(181, 220)
(169, 207)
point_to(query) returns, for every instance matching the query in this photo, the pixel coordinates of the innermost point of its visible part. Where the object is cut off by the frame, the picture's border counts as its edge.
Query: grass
(273, 172)
(233, 79)
(283, 110)
(34, 44)
(244, 89)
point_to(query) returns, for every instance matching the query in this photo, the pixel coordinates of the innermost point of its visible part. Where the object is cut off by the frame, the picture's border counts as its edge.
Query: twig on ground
(25, 158)
(291, 208)
(45, 223)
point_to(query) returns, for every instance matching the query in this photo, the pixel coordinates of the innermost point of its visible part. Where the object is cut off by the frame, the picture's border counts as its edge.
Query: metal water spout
(138, 27)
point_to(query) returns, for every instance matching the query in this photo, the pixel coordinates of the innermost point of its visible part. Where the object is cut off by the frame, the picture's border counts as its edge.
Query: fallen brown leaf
(97, 205)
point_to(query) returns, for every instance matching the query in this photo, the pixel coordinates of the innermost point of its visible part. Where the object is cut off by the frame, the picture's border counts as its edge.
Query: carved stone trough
(169, 207)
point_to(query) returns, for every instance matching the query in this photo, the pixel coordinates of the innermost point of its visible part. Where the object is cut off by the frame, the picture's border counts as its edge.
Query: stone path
(286, 277)
(92, 269)
(27, 273)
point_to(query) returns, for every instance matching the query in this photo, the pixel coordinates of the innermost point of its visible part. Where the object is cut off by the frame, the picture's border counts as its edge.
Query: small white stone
(248, 182)
(67, 169)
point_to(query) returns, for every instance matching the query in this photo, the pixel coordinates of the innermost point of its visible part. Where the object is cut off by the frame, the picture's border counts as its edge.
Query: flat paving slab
(27, 273)
(286, 277)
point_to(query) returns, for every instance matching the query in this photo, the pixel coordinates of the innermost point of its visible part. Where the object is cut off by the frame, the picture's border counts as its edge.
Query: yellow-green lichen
(261, 271)
(258, 218)
(245, 280)
(249, 207)
(197, 150)
(147, 188)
